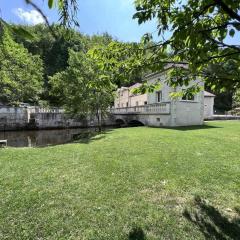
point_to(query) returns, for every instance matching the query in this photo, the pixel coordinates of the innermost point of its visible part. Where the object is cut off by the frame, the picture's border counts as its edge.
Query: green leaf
(50, 3)
(146, 38)
(232, 32)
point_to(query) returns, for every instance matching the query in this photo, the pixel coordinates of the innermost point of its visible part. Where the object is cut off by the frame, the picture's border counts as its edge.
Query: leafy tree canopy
(55, 51)
(83, 87)
(21, 73)
(192, 33)
(195, 33)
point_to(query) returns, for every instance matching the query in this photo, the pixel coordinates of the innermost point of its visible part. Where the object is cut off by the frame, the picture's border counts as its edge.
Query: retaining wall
(21, 118)
(12, 118)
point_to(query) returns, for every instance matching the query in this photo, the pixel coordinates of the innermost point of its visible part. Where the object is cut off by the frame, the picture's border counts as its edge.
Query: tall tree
(55, 51)
(83, 87)
(21, 73)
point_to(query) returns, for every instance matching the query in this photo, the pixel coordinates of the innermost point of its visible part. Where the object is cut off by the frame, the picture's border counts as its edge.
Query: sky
(95, 17)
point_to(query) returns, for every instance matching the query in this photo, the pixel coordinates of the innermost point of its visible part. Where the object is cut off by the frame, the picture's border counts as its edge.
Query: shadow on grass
(90, 136)
(136, 234)
(212, 223)
(190, 128)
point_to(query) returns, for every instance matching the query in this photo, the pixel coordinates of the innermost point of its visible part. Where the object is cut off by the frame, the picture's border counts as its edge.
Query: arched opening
(120, 123)
(135, 123)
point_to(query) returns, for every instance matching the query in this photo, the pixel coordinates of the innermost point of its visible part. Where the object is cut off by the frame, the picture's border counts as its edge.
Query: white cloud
(31, 16)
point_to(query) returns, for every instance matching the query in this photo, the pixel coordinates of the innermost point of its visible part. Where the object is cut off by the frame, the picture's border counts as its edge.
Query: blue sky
(95, 16)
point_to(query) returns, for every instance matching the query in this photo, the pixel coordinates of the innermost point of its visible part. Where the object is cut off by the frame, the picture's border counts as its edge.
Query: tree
(195, 33)
(55, 51)
(83, 87)
(123, 60)
(21, 73)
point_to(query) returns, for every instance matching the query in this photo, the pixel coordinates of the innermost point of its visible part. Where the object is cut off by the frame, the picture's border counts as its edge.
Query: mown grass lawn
(130, 183)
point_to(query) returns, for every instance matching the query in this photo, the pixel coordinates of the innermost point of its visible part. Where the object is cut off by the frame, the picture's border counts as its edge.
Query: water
(42, 138)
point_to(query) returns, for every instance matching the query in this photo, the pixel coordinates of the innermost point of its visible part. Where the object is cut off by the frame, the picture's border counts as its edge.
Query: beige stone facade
(125, 97)
(208, 104)
(158, 108)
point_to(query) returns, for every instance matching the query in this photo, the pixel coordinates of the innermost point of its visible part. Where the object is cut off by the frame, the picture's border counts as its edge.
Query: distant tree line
(28, 63)
(59, 69)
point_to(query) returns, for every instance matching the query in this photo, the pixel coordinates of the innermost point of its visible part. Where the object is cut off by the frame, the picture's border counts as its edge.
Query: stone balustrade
(45, 110)
(156, 108)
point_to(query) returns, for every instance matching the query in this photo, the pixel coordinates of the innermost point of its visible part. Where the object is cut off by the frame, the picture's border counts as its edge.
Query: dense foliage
(21, 73)
(191, 33)
(83, 87)
(195, 33)
(53, 51)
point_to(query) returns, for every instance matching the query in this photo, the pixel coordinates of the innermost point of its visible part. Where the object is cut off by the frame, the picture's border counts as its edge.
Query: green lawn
(130, 183)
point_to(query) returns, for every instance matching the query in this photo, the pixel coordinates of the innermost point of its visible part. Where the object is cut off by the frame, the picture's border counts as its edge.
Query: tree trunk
(99, 122)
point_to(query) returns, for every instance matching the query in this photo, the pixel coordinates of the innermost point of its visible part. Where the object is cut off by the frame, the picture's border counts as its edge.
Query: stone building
(208, 104)
(158, 108)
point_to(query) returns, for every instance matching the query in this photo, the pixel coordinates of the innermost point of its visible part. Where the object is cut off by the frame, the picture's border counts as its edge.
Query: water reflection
(41, 138)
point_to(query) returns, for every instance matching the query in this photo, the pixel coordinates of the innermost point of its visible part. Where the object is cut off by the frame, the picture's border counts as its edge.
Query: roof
(167, 67)
(122, 88)
(136, 85)
(208, 94)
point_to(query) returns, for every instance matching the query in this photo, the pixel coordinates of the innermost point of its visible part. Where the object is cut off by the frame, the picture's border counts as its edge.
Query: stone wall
(12, 118)
(189, 113)
(21, 118)
(61, 120)
(208, 106)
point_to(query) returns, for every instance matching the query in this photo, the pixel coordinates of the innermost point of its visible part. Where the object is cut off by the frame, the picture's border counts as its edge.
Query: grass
(130, 183)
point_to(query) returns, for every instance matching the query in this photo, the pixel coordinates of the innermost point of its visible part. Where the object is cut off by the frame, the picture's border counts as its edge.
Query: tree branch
(43, 15)
(228, 10)
(222, 44)
(234, 24)
(219, 56)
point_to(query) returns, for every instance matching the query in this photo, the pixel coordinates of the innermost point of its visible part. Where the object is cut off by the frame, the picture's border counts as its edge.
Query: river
(42, 138)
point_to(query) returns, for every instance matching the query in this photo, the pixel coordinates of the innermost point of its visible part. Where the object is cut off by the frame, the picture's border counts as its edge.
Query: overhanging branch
(228, 10)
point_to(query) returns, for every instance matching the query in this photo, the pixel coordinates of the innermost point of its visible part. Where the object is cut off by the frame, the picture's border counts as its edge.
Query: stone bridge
(169, 114)
(157, 114)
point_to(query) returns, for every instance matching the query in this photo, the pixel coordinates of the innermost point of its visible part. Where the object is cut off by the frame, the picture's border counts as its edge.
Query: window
(126, 104)
(159, 96)
(137, 103)
(118, 105)
(145, 103)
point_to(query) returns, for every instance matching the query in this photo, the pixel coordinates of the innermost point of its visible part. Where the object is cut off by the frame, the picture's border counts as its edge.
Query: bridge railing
(45, 110)
(162, 108)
